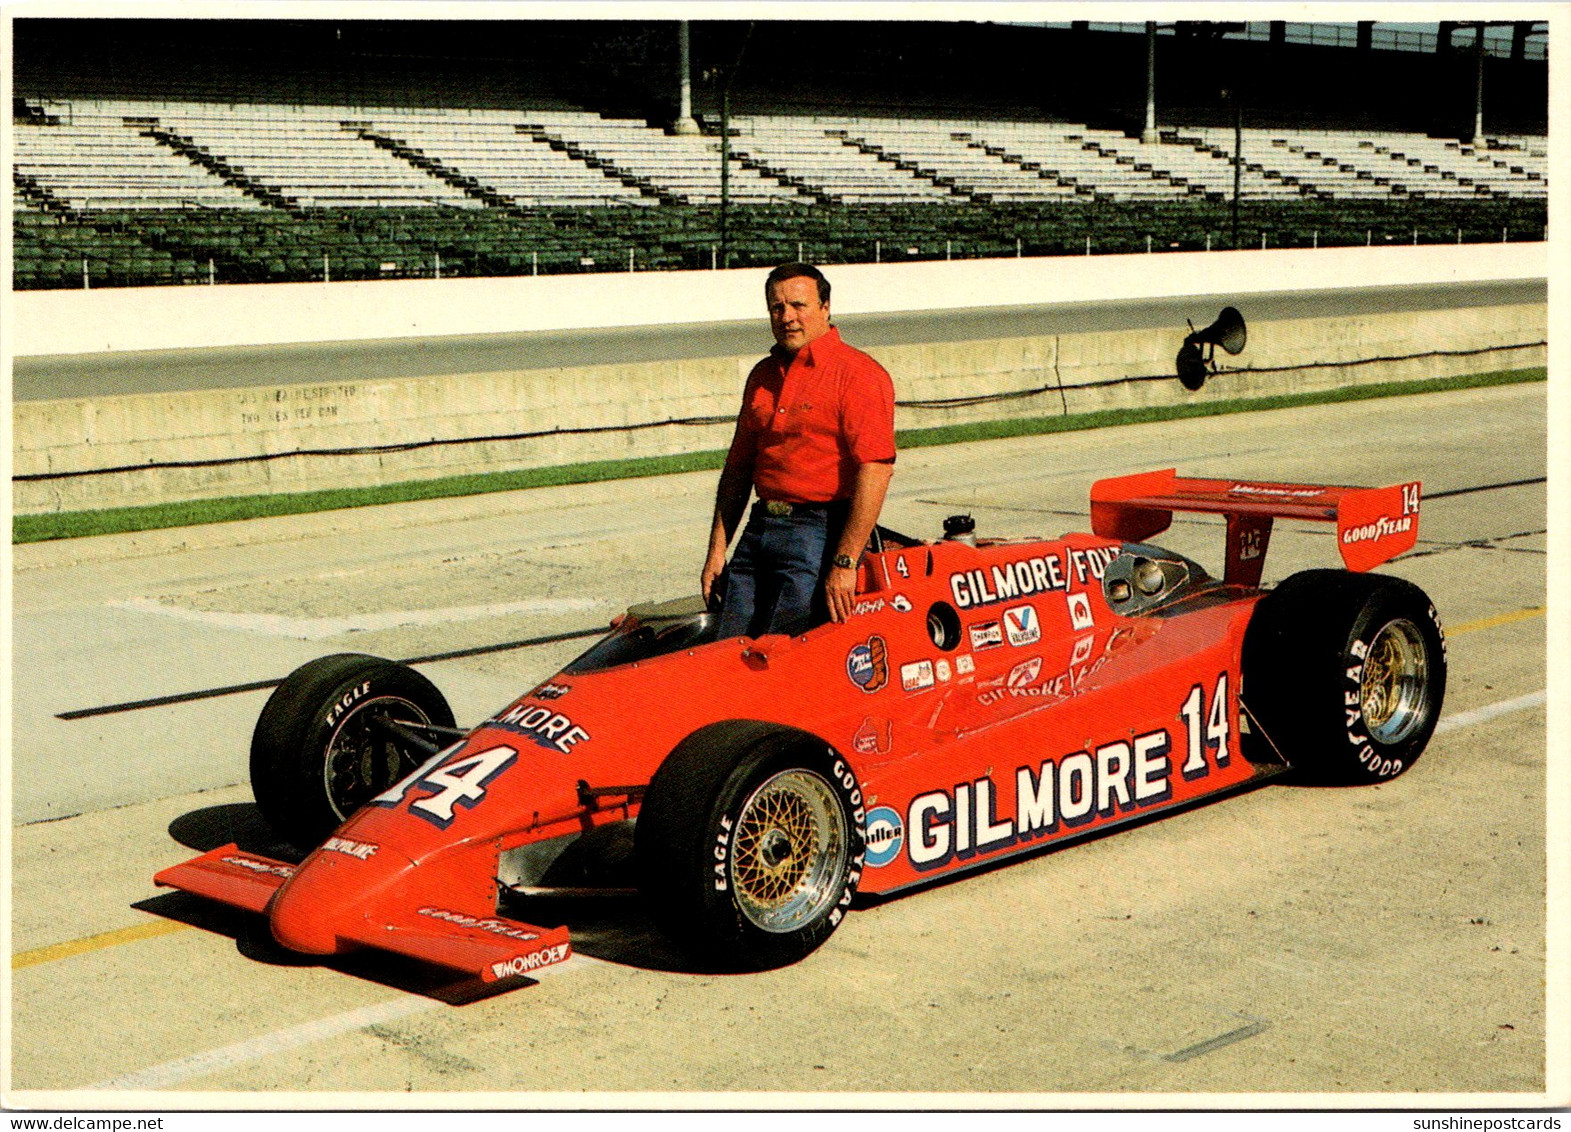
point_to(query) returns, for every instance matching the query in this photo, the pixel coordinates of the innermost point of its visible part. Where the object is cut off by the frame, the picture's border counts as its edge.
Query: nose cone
(317, 909)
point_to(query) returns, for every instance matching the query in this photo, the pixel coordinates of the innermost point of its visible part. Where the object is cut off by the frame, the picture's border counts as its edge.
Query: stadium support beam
(1520, 30)
(1366, 36)
(1478, 89)
(1149, 135)
(684, 123)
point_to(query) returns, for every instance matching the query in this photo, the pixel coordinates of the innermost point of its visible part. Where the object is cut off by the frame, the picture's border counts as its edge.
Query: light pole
(1149, 134)
(1230, 98)
(1478, 92)
(725, 149)
(684, 123)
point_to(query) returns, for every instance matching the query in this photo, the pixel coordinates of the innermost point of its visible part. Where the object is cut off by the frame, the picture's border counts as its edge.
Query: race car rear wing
(1373, 524)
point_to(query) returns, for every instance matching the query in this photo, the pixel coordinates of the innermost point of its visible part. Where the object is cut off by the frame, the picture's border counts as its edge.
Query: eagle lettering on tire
(318, 753)
(750, 843)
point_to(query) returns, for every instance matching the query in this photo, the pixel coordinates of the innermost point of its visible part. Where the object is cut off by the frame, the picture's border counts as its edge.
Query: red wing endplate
(1373, 524)
(487, 946)
(241, 880)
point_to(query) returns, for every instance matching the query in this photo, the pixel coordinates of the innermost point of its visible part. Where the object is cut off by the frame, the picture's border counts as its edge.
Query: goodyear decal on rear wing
(1375, 525)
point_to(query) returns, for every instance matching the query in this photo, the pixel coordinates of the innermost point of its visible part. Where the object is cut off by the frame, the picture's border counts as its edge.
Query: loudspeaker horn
(1228, 332)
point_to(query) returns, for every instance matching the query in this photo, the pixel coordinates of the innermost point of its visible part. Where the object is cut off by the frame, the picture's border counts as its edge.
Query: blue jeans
(774, 583)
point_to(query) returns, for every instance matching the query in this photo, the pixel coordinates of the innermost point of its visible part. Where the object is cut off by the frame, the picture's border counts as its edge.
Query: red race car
(988, 698)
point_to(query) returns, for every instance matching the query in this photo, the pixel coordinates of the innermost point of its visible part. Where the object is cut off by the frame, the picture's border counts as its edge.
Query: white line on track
(1492, 711)
(317, 628)
(266, 1045)
(280, 1041)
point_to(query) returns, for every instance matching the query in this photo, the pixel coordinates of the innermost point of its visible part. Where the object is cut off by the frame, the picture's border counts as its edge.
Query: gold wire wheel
(789, 851)
(1394, 691)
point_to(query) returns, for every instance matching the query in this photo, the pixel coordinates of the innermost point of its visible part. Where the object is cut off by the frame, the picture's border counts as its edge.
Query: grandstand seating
(142, 191)
(822, 159)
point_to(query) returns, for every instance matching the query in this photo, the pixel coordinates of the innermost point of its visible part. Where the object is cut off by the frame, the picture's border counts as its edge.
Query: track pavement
(1291, 940)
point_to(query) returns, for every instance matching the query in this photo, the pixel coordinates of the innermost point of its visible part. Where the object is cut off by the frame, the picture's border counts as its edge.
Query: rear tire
(749, 844)
(1346, 674)
(316, 756)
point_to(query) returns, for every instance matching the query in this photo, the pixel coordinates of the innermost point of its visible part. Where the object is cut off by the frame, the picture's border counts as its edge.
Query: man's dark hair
(798, 271)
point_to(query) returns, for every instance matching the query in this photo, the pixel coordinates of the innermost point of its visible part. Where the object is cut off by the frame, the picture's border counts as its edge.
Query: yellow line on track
(164, 927)
(94, 943)
(1495, 621)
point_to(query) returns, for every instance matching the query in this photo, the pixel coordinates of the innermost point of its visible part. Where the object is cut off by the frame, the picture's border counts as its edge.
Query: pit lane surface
(1347, 942)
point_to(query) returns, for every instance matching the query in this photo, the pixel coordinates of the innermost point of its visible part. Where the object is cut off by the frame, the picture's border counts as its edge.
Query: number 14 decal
(1206, 731)
(461, 782)
(1410, 499)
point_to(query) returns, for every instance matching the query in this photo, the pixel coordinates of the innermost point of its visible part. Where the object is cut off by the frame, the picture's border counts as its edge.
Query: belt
(781, 508)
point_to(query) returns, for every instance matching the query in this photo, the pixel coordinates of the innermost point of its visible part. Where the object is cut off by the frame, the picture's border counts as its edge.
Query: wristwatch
(844, 562)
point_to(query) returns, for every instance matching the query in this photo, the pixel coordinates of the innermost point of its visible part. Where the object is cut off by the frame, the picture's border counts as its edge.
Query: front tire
(749, 844)
(1346, 674)
(317, 754)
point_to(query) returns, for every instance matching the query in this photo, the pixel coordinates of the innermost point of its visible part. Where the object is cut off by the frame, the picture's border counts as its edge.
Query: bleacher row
(135, 193)
(141, 247)
(133, 155)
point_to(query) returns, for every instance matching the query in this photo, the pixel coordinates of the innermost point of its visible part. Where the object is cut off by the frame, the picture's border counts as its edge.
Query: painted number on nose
(461, 782)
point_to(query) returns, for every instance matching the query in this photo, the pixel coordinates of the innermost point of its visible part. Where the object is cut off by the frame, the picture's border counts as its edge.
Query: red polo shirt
(809, 421)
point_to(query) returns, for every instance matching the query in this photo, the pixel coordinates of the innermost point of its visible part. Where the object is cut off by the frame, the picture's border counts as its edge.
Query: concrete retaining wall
(156, 318)
(221, 431)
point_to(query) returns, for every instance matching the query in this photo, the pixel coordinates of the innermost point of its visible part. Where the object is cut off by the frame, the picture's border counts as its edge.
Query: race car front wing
(483, 945)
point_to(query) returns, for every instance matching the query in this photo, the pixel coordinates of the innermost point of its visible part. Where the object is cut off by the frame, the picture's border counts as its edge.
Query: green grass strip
(121, 520)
